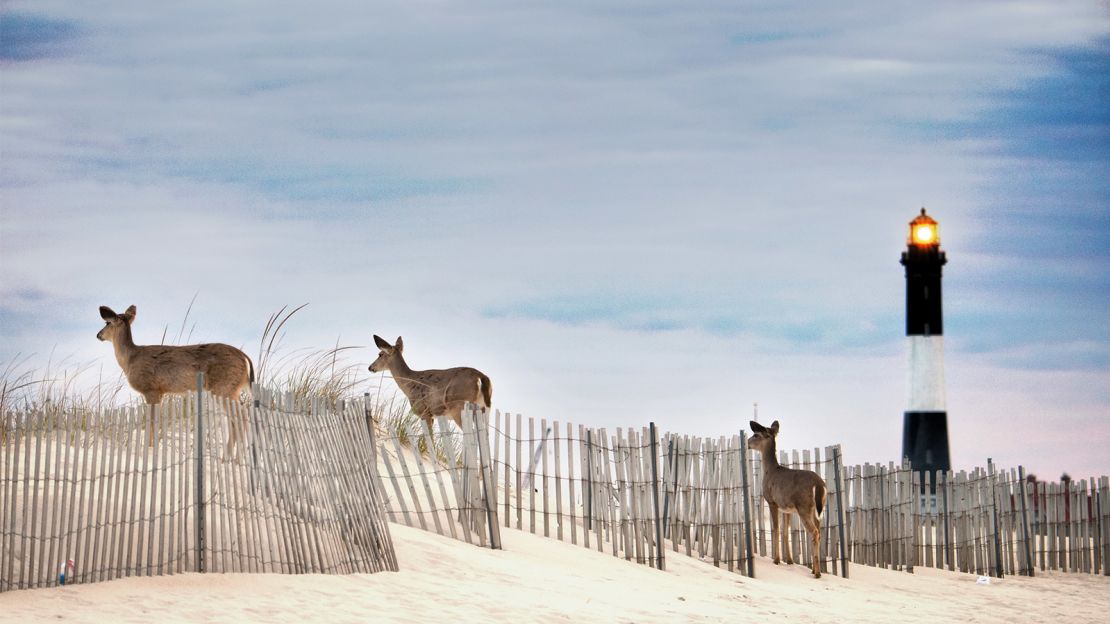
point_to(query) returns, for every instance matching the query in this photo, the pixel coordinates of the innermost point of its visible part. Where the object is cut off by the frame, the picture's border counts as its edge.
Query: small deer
(790, 491)
(433, 392)
(157, 370)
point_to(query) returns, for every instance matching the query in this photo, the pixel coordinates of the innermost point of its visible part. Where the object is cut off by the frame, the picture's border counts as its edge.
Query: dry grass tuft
(322, 373)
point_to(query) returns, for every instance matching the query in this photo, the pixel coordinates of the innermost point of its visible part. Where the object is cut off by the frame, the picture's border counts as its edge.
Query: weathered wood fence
(630, 491)
(438, 479)
(985, 521)
(86, 497)
(637, 494)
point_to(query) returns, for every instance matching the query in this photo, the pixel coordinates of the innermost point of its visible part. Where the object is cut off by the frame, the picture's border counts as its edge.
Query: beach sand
(543, 580)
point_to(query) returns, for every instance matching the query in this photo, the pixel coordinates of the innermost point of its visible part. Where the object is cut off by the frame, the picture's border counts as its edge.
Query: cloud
(30, 37)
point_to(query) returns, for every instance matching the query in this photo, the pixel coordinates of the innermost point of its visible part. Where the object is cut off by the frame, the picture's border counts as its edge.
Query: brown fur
(157, 370)
(790, 491)
(434, 392)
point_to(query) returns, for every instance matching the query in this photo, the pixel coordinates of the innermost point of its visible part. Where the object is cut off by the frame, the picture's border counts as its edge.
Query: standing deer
(157, 370)
(433, 392)
(788, 490)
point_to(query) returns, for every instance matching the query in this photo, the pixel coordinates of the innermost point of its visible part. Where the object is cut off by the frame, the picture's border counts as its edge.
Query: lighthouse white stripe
(926, 374)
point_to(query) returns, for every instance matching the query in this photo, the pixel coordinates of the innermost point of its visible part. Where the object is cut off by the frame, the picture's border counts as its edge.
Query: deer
(157, 370)
(790, 491)
(433, 392)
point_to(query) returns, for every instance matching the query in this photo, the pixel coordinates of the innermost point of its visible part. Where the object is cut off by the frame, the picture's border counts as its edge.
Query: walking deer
(433, 392)
(790, 491)
(157, 370)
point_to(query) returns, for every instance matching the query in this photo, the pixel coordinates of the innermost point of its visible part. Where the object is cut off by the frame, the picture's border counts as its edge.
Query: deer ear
(107, 313)
(382, 344)
(399, 345)
(775, 428)
(128, 314)
(756, 427)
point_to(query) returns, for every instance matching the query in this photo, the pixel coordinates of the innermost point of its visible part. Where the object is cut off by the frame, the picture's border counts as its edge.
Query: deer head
(387, 354)
(763, 437)
(114, 323)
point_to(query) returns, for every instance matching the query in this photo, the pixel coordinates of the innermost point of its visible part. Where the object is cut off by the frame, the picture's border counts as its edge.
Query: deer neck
(401, 372)
(770, 457)
(124, 346)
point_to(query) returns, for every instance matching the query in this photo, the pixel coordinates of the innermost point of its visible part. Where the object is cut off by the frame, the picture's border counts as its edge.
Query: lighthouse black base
(925, 441)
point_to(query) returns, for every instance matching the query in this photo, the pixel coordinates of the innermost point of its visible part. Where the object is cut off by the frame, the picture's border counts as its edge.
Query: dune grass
(64, 387)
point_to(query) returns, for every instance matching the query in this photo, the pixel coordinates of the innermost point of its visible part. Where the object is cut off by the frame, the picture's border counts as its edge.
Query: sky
(621, 212)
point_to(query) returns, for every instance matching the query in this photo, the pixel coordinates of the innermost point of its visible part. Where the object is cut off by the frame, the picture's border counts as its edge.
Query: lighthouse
(925, 422)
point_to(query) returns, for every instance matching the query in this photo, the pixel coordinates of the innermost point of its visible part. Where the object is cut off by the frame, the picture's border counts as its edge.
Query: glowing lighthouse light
(925, 425)
(923, 230)
(924, 234)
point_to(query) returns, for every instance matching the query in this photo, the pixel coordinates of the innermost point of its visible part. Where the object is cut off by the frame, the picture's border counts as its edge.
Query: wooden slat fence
(593, 488)
(585, 486)
(636, 495)
(436, 479)
(1070, 525)
(298, 496)
(705, 501)
(987, 521)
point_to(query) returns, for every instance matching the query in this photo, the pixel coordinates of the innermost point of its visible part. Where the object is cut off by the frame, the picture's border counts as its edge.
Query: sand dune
(543, 580)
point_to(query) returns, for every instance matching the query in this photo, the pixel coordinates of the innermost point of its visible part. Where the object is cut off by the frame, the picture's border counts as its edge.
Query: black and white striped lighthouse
(925, 424)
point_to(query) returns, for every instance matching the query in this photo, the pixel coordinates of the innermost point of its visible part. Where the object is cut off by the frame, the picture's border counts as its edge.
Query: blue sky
(620, 212)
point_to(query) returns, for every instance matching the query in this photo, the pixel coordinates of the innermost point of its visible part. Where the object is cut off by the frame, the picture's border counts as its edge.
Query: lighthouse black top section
(923, 272)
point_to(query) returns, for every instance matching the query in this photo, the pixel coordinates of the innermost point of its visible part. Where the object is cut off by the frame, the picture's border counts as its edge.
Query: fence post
(915, 498)
(949, 554)
(994, 519)
(1026, 547)
(488, 488)
(666, 491)
(252, 425)
(747, 502)
(655, 498)
(370, 426)
(200, 473)
(840, 510)
(1104, 524)
(589, 482)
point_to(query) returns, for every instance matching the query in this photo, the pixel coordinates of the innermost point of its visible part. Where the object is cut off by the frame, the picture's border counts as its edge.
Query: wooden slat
(584, 474)
(519, 474)
(475, 503)
(543, 478)
(532, 449)
(8, 431)
(607, 491)
(570, 485)
(560, 518)
(509, 486)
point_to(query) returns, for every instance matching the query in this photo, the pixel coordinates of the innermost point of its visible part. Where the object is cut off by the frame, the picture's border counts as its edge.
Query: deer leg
(150, 426)
(234, 430)
(774, 531)
(813, 527)
(456, 415)
(784, 533)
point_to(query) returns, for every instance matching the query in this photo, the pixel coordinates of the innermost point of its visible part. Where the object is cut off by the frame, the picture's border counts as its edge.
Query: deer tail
(487, 389)
(250, 367)
(820, 491)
